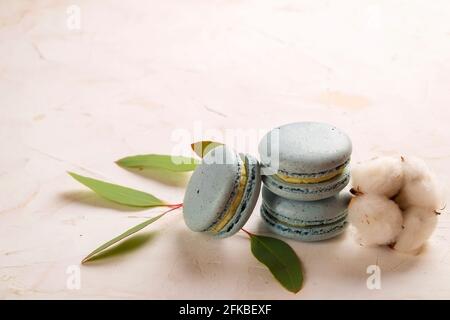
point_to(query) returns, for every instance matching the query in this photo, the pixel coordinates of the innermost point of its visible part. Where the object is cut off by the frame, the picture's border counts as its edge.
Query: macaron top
(221, 191)
(305, 149)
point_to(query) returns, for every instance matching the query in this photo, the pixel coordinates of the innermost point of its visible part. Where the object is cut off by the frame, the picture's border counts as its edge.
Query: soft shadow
(176, 179)
(349, 258)
(125, 247)
(90, 198)
(261, 227)
(198, 254)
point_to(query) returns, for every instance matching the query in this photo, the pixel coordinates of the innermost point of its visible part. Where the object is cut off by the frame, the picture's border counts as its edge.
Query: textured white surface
(138, 70)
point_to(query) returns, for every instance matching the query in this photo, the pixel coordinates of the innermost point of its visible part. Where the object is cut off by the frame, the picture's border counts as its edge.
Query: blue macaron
(222, 192)
(305, 161)
(305, 220)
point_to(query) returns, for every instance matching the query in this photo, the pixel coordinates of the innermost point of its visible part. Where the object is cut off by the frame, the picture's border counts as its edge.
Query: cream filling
(322, 178)
(231, 211)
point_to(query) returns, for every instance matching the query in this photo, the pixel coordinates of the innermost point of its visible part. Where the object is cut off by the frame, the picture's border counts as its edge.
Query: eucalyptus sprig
(122, 236)
(159, 161)
(276, 254)
(281, 260)
(120, 194)
(201, 148)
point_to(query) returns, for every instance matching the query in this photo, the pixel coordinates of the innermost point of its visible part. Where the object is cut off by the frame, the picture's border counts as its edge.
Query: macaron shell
(306, 148)
(306, 213)
(307, 191)
(210, 188)
(308, 234)
(249, 200)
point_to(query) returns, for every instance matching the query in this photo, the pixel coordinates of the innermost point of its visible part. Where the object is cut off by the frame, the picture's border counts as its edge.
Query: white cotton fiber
(418, 225)
(383, 176)
(406, 221)
(414, 169)
(377, 219)
(420, 192)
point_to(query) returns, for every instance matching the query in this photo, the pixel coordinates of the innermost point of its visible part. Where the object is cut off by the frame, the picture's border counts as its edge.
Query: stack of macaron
(306, 166)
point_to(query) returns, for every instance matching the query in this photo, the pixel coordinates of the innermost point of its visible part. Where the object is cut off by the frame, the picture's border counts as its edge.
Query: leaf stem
(172, 208)
(247, 232)
(175, 206)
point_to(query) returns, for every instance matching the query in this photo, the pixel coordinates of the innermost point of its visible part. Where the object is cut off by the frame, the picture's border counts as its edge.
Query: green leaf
(127, 233)
(159, 161)
(119, 194)
(201, 148)
(281, 260)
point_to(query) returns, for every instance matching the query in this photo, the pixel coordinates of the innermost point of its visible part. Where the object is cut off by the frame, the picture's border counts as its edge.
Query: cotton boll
(377, 219)
(383, 176)
(421, 192)
(414, 169)
(418, 225)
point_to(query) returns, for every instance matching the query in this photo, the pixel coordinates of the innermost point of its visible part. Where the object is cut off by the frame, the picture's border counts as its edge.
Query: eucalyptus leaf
(127, 233)
(119, 194)
(281, 260)
(201, 148)
(159, 161)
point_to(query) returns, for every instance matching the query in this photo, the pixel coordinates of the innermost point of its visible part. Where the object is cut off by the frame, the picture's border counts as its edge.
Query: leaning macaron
(305, 220)
(222, 192)
(306, 161)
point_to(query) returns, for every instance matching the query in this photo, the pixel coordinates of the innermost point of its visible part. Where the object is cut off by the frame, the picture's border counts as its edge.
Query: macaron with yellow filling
(222, 192)
(305, 161)
(305, 220)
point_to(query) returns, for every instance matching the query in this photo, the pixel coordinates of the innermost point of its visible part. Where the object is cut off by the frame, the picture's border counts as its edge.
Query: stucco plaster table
(84, 83)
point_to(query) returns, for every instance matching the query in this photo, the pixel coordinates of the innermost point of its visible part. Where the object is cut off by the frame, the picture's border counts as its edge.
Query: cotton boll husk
(418, 225)
(383, 176)
(377, 220)
(421, 192)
